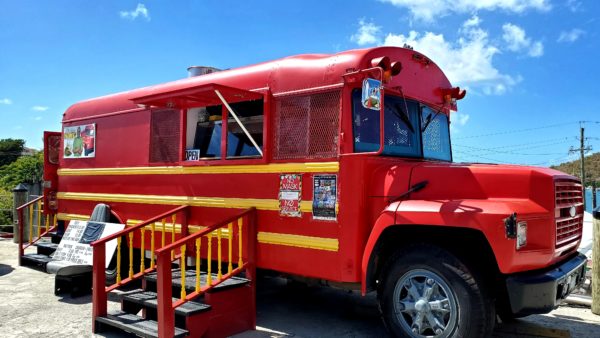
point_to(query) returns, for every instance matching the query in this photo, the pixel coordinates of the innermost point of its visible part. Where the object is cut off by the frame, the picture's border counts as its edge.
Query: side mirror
(371, 94)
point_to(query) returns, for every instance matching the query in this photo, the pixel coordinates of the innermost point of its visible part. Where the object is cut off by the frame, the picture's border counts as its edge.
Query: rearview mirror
(371, 94)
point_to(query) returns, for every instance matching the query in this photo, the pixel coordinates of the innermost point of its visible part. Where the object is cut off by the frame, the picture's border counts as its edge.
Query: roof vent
(201, 70)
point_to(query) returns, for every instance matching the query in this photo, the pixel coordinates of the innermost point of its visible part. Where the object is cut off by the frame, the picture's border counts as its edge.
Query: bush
(6, 205)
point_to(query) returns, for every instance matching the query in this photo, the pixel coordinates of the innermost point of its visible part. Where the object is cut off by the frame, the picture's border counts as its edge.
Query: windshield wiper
(429, 119)
(397, 110)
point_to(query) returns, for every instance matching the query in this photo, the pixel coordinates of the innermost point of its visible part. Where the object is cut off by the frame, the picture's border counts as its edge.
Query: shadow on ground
(5, 269)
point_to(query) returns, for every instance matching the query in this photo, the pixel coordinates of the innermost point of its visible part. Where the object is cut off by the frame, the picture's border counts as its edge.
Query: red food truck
(330, 167)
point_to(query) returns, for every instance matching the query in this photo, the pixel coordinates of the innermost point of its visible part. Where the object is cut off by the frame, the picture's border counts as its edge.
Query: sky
(529, 66)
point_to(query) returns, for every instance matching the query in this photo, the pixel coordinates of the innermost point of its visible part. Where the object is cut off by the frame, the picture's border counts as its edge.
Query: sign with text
(325, 197)
(75, 244)
(79, 141)
(290, 195)
(192, 155)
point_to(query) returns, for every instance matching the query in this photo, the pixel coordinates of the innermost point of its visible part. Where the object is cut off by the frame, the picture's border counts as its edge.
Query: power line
(491, 150)
(519, 130)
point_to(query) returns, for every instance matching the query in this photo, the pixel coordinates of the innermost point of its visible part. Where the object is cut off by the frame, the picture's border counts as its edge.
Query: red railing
(100, 291)
(240, 232)
(36, 220)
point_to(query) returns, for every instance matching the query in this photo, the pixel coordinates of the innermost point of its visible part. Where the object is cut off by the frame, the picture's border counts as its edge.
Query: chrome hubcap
(425, 305)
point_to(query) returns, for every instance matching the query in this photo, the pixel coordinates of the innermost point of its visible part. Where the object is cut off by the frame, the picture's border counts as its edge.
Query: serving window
(213, 131)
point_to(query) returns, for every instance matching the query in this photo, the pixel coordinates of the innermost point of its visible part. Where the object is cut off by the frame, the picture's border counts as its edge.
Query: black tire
(429, 282)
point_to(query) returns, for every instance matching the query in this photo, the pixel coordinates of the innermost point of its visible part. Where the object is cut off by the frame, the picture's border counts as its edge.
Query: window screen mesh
(306, 126)
(165, 135)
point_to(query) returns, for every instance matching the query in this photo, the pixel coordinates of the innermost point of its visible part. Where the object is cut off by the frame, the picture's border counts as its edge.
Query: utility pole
(582, 149)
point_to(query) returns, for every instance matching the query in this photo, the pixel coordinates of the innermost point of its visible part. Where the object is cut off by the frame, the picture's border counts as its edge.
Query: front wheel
(429, 292)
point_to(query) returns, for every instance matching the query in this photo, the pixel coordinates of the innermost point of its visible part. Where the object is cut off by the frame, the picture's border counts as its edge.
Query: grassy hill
(592, 167)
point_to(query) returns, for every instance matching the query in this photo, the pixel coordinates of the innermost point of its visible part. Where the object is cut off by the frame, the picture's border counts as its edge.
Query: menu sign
(290, 195)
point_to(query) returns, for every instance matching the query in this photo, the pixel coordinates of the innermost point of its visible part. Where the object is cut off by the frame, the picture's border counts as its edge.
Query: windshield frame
(416, 125)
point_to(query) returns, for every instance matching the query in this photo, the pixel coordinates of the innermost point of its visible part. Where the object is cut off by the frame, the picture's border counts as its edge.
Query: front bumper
(541, 291)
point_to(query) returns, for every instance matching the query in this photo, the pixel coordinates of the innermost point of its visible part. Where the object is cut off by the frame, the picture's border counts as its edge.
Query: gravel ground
(29, 308)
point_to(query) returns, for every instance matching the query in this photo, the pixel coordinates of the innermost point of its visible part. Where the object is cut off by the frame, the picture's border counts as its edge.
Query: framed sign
(79, 141)
(290, 195)
(324, 197)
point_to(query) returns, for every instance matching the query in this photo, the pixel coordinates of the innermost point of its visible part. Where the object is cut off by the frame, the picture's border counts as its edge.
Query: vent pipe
(201, 70)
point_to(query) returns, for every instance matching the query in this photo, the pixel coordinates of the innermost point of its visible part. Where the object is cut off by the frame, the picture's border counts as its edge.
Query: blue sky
(527, 64)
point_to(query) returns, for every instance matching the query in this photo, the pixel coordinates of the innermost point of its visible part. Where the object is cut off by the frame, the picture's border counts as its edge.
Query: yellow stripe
(307, 242)
(310, 167)
(299, 241)
(211, 202)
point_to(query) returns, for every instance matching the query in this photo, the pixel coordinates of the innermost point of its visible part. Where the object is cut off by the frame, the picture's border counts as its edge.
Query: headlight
(521, 234)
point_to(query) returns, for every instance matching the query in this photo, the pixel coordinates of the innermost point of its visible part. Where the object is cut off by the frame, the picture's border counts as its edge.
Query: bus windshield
(403, 134)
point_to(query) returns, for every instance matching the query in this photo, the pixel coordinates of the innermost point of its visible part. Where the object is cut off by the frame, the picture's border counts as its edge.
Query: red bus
(343, 165)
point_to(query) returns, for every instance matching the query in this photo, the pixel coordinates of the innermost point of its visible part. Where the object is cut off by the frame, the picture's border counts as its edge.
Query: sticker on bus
(192, 155)
(79, 141)
(324, 197)
(290, 195)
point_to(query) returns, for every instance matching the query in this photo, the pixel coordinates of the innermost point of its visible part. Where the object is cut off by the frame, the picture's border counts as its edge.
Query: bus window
(164, 135)
(204, 126)
(251, 116)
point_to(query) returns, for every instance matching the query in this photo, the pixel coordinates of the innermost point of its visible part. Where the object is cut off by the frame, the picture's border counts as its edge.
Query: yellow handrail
(48, 222)
(229, 248)
(39, 218)
(198, 260)
(209, 260)
(143, 252)
(164, 220)
(240, 223)
(31, 223)
(183, 294)
(131, 254)
(118, 260)
(153, 227)
(219, 274)
(173, 219)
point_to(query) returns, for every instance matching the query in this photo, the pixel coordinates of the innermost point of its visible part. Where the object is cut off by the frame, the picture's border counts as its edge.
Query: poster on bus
(79, 141)
(324, 197)
(75, 246)
(290, 195)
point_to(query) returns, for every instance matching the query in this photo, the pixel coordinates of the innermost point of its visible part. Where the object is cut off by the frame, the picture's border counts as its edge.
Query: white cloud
(37, 118)
(39, 108)
(458, 120)
(368, 33)
(5, 101)
(517, 41)
(570, 36)
(139, 11)
(467, 62)
(573, 5)
(427, 10)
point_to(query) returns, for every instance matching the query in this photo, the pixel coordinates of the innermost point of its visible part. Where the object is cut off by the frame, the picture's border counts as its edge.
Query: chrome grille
(568, 194)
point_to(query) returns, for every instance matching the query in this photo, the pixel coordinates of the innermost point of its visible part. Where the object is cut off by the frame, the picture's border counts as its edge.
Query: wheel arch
(462, 241)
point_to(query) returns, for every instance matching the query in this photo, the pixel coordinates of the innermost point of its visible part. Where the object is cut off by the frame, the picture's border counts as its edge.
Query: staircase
(41, 234)
(200, 285)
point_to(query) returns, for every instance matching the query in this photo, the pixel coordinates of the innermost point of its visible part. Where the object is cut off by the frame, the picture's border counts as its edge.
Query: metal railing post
(166, 314)
(99, 297)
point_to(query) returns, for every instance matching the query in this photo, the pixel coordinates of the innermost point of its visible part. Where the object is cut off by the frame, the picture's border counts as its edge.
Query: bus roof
(420, 78)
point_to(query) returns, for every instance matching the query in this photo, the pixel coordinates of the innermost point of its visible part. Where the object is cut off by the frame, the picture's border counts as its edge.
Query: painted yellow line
(307, 242)
(299, 241)
(211, 202)
(310, 167)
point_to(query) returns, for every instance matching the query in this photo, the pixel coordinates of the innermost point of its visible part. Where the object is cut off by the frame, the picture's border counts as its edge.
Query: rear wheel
(429, 292)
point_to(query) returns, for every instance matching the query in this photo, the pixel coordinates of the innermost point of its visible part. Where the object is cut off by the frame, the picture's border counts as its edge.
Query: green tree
(10, 150)
(26, 169)
(6, 204)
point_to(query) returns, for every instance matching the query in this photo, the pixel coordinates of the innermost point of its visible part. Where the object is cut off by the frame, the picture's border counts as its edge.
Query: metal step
(149, 299)
(55, 237)
(35, 261)
(190, 280)
(46, 248)
(134, 324)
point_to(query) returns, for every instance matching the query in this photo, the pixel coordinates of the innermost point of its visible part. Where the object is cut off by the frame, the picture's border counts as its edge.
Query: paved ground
(29, 308)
